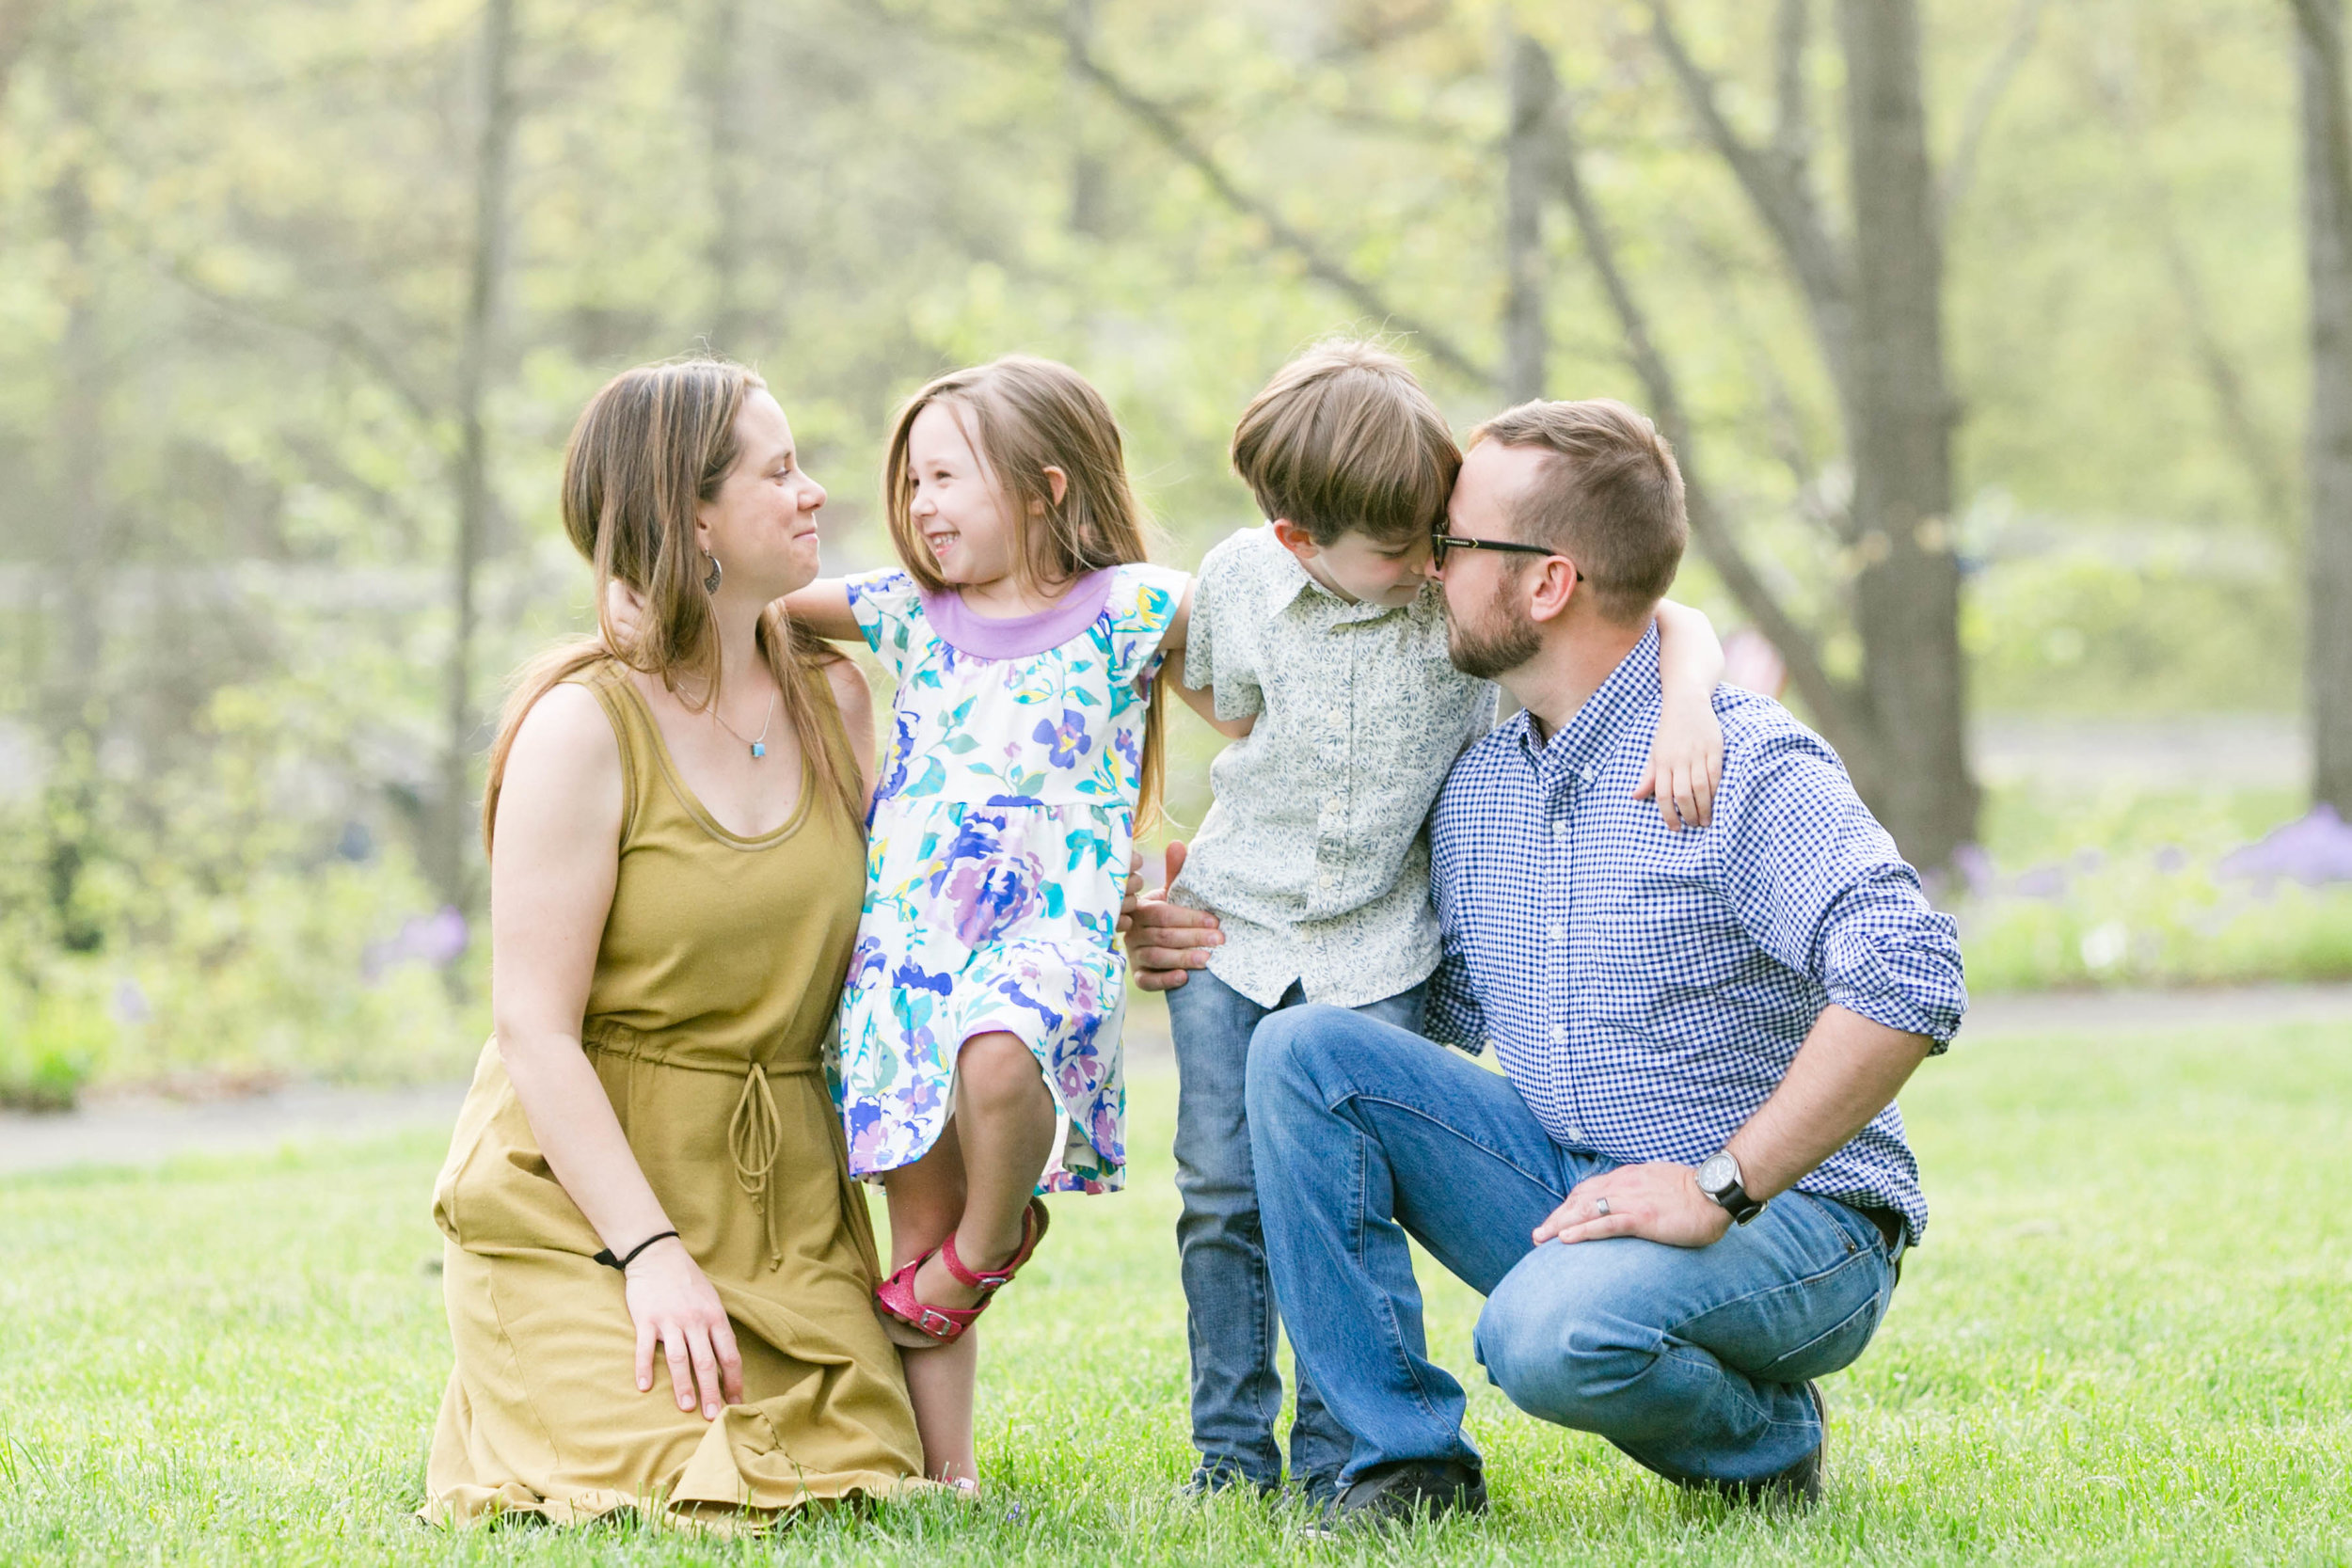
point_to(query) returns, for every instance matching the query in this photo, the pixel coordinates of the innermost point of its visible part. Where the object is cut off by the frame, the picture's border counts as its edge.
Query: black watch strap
(1719, 1179)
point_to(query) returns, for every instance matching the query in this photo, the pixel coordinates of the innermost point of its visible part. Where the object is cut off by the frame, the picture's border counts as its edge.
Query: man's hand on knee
(1656, 1202)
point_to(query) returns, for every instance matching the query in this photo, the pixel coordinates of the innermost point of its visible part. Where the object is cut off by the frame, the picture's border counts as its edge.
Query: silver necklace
(759, 747)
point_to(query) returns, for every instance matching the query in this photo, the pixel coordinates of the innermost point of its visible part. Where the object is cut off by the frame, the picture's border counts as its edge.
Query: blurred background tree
(1982, 331)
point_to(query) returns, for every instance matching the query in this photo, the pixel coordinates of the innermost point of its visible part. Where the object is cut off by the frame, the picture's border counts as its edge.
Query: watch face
(1719, 1172)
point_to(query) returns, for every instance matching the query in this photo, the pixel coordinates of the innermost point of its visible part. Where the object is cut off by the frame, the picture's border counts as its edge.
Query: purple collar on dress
(967, 631)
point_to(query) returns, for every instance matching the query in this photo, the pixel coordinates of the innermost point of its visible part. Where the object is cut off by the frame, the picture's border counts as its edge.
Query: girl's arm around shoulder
(1686, 755)
(823, 607)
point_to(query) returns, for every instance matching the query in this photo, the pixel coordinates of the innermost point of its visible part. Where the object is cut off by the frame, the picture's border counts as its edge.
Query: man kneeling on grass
(1686, 1198)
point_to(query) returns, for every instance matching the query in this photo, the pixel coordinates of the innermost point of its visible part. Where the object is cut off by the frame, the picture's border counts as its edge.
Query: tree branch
(1984, 99)
(1792, 127)
(1837, 707)
(343, 337)
(1170, 133)
(1780, 197)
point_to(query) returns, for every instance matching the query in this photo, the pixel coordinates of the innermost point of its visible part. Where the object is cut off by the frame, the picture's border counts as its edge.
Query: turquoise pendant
(759, 749)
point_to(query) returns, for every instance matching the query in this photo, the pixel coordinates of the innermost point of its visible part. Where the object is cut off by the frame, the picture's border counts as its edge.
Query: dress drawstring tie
(754, 1134)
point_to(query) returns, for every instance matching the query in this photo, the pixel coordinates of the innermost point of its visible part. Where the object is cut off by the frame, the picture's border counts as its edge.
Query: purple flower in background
(437, 940)
(130, 1002)
(2043, 882)
(2171, 860)
(1975, 864)
(2311, 849)
(1069, 740)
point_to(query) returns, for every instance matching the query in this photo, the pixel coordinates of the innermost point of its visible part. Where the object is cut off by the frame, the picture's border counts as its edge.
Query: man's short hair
(1345, 440)
(1610, 497)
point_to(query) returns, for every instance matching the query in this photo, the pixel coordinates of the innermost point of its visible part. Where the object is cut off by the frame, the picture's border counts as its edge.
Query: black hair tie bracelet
(610, 1261)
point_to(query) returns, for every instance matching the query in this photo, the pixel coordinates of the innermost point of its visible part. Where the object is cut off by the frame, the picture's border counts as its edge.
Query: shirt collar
(1582, 744)
(1288, 580)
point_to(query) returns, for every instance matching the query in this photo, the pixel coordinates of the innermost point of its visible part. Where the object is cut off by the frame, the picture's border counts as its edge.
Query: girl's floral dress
(1000, 841)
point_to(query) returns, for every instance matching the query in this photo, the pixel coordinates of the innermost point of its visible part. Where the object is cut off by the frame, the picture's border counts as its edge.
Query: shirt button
(1324, 879)
(1559, 1034)
(1558, 933)
(1559, 830)
(1589, 775)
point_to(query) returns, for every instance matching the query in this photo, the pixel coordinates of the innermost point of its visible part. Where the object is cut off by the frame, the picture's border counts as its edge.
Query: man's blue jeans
(1230, 1315)
(1692, 1360)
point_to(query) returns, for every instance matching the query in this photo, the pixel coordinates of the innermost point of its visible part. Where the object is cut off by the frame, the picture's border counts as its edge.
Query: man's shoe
(1397, 1494)
(1799, 1485)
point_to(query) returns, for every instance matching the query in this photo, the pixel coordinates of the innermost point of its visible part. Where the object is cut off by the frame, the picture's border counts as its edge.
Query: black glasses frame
(1441, 542)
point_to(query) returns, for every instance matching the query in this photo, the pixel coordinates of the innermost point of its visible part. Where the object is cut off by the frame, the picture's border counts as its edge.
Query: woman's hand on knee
(675, 1306)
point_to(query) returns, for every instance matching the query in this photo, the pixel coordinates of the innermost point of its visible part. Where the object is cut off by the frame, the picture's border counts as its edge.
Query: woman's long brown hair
(653, 444)
(1023, 416)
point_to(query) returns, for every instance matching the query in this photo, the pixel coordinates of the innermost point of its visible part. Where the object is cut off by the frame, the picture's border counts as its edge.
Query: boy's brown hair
(1345, 440)
(1610, 498)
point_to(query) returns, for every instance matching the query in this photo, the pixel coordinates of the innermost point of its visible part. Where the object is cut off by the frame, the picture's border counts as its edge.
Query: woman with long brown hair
(649, 1159)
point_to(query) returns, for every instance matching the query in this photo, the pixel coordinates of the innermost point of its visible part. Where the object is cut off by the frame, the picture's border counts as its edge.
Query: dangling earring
(710, 583)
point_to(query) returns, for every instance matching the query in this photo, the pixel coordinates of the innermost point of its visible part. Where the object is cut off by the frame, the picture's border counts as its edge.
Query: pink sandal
(945, 1325)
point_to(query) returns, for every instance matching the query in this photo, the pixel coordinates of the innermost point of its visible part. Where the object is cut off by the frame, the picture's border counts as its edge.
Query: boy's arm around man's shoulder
(1817, 883)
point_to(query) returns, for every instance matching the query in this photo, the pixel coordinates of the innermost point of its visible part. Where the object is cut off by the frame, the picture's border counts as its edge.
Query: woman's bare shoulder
(565, 760)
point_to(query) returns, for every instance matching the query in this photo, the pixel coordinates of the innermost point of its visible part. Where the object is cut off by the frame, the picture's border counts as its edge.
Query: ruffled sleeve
(1143, 601)
(889, 611)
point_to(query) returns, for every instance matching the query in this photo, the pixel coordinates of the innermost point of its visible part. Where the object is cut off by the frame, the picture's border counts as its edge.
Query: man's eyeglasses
(1441, 542)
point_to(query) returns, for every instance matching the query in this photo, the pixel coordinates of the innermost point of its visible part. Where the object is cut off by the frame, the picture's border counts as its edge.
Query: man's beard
(1507, 640)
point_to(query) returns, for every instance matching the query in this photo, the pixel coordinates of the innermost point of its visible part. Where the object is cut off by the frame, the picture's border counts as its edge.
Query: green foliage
(48, 1046)
(233, 1362)
(2121, 887)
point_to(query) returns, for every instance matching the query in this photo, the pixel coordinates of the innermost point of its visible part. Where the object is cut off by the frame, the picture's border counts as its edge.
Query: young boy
(1321, 632)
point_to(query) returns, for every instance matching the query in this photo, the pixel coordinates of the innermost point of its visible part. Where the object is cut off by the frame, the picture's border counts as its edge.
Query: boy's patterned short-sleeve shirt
(1314, 856)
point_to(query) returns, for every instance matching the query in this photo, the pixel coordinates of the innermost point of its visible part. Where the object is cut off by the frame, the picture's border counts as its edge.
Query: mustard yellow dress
(715, 991)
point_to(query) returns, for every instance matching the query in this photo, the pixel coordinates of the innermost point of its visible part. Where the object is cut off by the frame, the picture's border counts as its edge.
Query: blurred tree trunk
(720, 88)
(1089, 175)
(76, 667)
(2328, 443)
(1876, 306)
(1526, 155)
(450, 859)
(1899, 421)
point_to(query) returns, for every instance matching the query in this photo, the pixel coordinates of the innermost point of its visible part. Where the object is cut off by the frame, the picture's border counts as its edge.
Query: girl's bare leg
(1005, 1117)
(926, 1201)
(976, 1182)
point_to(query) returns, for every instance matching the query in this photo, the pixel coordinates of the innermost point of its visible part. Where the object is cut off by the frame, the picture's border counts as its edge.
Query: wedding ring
(1600, 1206)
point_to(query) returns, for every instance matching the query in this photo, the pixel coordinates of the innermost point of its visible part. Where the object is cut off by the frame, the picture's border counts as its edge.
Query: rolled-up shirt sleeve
(1820, 886)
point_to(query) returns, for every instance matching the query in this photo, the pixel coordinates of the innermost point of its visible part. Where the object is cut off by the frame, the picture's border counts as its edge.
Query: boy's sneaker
(1207, 1482)
(1398, 1493)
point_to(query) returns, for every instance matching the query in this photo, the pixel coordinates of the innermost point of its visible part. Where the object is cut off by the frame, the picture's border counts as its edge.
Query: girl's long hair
(1023, 416)
(655, 442)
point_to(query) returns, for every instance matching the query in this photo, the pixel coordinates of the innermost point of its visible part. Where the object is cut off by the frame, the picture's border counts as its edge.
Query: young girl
(979, 1029)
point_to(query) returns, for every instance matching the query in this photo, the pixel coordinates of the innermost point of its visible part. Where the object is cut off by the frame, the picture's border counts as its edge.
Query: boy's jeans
(1691, 1359)
(1229, 1312)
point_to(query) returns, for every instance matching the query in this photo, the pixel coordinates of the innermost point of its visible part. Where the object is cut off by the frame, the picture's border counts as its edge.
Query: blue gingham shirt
(1646, 989)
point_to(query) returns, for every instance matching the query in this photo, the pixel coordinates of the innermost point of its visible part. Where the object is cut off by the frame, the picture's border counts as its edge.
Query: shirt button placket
(1562, 912)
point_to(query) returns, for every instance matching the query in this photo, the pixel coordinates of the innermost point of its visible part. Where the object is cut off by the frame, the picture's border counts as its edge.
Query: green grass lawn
(2126, 1340)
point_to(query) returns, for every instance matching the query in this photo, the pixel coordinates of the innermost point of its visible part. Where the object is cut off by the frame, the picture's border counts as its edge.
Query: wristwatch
(1719, 1179)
